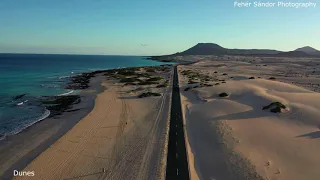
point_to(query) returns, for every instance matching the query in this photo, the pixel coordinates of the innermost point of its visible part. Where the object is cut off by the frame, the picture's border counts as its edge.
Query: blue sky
(162, 26)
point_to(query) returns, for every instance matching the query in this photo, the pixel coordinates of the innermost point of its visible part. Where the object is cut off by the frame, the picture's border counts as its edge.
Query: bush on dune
(148, 94)
(223, 94)
(147, 83)
(155, 79)
(162, 85)
(276, 107)
(127, 80)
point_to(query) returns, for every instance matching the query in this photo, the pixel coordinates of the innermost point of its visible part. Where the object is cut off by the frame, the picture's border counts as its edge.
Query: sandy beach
(231, 137)
(123, 137)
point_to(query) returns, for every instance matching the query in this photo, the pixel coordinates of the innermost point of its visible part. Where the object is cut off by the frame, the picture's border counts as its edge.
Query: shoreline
(52, 128)
(19, 150)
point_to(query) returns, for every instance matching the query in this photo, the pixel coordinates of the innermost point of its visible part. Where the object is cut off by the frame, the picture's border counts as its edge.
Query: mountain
(215, 49)
(293, 54)
(309, 50)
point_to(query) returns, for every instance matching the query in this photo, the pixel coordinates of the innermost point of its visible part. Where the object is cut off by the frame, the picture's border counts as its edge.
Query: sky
(151, 27)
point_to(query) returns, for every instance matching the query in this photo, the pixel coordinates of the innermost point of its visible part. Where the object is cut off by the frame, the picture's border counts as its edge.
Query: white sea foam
(64, 77)
(24, 126)
(19, 104)
(70, 92)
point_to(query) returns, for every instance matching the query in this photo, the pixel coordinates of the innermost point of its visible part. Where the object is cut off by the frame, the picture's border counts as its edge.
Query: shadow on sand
(312, 135)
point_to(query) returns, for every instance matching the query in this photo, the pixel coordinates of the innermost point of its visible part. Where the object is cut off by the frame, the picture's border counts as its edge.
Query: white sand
(233, 138)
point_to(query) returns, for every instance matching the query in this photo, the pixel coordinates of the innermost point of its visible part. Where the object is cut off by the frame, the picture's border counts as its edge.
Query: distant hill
(293, 54)
(309, 50)
(215, 49)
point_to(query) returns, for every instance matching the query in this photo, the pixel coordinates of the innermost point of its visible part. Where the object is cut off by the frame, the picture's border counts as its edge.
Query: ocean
(26, 77)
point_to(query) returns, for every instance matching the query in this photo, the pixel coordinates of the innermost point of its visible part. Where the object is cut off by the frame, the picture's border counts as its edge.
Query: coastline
(18, 151)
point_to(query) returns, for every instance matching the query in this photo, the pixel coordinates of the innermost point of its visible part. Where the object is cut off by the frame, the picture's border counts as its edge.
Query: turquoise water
(45, 75)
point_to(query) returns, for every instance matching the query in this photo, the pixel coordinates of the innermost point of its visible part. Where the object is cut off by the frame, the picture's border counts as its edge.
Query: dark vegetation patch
(224, 74)
(161, 86)
(165, 84)
(129, 80)
(148, 94)
(80, 81)
(195, 77)
(272, 78)
(130, 84)
(251, 77)
(223, 94)
(143, 83)
(275, 107)
(137, 89)
(154, 79)
(205, 85)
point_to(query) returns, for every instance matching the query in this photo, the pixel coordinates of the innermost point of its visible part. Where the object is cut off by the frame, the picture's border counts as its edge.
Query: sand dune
(233, 138)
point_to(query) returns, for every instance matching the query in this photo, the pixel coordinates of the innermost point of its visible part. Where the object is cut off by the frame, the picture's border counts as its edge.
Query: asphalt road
(177, 163)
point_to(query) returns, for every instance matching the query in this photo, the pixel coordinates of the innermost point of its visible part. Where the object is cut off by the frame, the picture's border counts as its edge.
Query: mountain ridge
(215, 49)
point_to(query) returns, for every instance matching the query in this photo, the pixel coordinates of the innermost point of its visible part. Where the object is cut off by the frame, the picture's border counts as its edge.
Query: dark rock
(19, 96)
